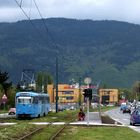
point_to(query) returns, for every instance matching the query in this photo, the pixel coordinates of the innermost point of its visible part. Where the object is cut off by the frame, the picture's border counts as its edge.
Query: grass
(106, 108)
(64, 116)
(47, 133)
(23, 126)
(103, 109)
(15, 131)
(3, 111)
(72, 133)
(88, 133)
(99, 133)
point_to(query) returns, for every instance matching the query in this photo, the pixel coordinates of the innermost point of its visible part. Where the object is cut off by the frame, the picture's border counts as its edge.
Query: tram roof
(30, 93)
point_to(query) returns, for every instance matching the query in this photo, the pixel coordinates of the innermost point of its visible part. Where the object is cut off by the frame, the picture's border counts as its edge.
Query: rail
(31, 134)
(55, 135)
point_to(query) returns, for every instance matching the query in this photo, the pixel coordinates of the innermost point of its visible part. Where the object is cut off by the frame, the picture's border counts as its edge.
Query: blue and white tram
(32, 104)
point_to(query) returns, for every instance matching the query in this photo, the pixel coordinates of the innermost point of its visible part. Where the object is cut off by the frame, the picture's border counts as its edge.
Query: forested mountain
(107, 51)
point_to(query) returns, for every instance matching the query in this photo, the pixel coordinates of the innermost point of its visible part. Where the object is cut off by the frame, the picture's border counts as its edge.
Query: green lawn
(99, 133)
(15, 131)
(89, 133)
(64, 116)
(103, 109)
(72, 133)
(47, 133)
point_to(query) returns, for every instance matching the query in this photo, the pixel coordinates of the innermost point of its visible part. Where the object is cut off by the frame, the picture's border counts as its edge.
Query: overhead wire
(28, 17)
(43, 21)
(45, 25)
(21, 3)
(30, 8)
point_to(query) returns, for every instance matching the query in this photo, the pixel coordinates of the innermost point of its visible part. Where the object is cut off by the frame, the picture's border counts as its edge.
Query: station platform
(94, 119)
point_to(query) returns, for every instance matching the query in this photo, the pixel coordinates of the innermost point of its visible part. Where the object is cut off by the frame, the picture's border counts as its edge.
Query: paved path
(124, 119)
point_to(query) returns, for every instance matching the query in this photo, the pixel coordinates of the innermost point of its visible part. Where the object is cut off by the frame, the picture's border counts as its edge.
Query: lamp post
(87, 81)
(56, 99)
(79, 91)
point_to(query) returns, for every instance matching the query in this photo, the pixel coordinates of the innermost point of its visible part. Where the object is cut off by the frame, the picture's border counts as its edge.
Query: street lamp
(56, 84)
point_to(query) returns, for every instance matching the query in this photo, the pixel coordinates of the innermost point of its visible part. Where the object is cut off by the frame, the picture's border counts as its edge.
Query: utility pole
(56, 99)
(87, 110)
(79, 91)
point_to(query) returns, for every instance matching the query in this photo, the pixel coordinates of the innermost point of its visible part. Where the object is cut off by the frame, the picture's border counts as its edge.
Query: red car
(12, 111)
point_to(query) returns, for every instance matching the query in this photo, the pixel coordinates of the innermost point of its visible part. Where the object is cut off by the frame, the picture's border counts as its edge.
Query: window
(67, 92)
(48, 99)
(69, 98)
(35, 100)
(138, 113)
(24, 100)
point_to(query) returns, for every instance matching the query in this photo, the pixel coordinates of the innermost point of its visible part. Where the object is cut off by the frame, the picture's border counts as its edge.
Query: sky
(120, 10)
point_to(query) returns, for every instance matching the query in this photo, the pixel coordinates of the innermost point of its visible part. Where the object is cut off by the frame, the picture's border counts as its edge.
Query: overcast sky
(122, 10)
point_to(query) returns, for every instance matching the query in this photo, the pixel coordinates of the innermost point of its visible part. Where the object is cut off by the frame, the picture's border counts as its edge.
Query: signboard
(91, 86)
(4, 98)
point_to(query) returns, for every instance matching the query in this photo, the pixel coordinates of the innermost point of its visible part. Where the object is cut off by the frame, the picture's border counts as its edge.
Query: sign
(91, 86)
(4, 98)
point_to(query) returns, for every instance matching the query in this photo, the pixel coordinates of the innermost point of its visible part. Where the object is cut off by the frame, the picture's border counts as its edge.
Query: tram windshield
(24, 100)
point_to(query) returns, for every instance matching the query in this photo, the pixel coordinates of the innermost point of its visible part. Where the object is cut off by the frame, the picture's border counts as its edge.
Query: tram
(32, 104)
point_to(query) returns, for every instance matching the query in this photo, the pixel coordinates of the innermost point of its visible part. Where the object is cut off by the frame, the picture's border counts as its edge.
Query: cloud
(7, 3)
(124, 10)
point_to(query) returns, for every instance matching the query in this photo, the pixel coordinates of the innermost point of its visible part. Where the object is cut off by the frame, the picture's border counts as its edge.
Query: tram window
(48, 100)
(24, 100)
(35, 100)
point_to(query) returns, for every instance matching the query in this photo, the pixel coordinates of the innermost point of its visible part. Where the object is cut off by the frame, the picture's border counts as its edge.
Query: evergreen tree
(5, 85)
(43, 79)
(136, 90)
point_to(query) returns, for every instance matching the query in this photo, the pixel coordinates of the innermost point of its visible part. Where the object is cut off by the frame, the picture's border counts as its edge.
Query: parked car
(135, 117)
(132, 109)
(127, 109)
(123, 105)
(12, 111)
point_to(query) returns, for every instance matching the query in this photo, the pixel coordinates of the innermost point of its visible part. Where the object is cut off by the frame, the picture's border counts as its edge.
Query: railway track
(54, 135)
(59, 131)
(29, 135)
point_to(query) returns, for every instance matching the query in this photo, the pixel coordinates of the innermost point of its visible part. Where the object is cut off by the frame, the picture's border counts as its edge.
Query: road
(5, 115)
(124, 119)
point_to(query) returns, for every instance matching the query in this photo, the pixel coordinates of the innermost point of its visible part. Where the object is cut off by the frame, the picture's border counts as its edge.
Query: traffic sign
(4, 98)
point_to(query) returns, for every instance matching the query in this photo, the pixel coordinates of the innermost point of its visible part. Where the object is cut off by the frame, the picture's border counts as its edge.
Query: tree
(6, 88)
(5, 85)
(43, 79)
(11, 93)
(136, 90)
(126, 93)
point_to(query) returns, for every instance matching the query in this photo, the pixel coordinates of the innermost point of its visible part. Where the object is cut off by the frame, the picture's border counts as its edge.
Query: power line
(47, 31)
(46, 27)
(21, 3)
(28, 17)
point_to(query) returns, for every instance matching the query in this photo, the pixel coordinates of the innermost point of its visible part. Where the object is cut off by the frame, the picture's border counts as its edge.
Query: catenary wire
(34, 26)
(45, 25)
